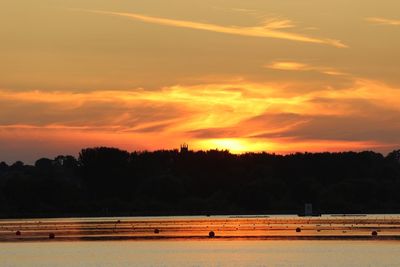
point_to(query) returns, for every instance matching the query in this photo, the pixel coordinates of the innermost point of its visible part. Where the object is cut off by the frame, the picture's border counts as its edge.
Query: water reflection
(380, 227)
(202, 253)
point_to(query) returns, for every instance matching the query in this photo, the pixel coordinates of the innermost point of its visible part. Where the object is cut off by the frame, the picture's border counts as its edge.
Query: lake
(184, 241)
(202, 253)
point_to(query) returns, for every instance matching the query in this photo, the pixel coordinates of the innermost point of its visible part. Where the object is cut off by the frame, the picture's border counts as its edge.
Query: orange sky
(276, 76)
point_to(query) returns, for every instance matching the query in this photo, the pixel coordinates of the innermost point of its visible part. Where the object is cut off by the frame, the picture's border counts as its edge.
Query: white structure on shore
(308, 209)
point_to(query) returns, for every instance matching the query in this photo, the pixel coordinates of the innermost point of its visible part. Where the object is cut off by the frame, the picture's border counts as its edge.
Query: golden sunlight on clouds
(384, 21)
(239, 117)
(271, 29)
(237, 75)
(297, 66)
(288, 66)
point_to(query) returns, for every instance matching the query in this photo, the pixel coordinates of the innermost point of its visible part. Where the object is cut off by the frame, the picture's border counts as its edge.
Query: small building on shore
(308, 211)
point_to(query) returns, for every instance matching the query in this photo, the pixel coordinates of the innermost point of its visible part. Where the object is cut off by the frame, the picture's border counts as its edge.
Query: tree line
(106, 181)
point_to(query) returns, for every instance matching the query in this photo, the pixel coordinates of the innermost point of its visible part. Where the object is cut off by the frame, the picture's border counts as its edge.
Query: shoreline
(205, 238)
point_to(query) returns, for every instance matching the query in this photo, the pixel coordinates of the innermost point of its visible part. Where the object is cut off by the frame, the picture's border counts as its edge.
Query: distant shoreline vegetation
(106, 181)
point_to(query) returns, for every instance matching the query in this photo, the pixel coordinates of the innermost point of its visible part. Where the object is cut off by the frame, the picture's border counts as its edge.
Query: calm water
(183, 241)
(202, 253)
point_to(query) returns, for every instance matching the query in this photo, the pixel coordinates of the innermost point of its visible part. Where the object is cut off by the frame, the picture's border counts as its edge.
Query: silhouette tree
(394, 156)
(3, 166)
(110, 181)
(104, 171)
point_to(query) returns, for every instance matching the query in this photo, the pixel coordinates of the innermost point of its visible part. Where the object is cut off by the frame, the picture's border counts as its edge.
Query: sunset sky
(257, 75)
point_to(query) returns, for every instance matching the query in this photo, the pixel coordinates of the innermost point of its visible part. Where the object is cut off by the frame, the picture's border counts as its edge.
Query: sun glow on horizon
(236, 146)
(241, 117)
(149, 75)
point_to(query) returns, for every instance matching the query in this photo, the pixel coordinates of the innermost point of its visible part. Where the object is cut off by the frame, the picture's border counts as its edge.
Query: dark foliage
(108, 181)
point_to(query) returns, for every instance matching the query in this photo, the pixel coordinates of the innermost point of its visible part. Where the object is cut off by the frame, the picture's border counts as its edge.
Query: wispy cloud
(384, 21)
(278, 24)
(245, 10)
(298, 66)
(271, 29)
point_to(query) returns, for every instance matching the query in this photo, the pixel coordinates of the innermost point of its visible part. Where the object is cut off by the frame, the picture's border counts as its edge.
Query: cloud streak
(270, 29)
(383, 21)
(298, 66)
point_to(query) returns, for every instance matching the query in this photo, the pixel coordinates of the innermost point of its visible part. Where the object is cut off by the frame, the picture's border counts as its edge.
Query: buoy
(374, 233)
(156, 231)
(211, 234)
(298, 230)
(52, 236)
(17, 233)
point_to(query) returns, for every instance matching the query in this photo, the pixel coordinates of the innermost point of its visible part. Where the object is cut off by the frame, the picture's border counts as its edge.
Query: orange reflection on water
(199, 228)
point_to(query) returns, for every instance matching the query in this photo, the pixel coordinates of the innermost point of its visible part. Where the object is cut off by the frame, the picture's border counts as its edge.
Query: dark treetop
(107, 181)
